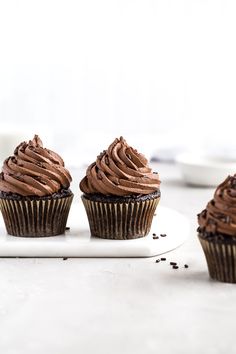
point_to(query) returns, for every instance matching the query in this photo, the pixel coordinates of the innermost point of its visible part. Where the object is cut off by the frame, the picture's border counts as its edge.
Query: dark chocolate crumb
(163, 259)
(96, 197)
(163, 235)
(185, 266)
(61, 194)
(175, 267)
(67, 228)
(173, 263)
(153, 234)
(155, 237)
(65, 258)
(157, 260)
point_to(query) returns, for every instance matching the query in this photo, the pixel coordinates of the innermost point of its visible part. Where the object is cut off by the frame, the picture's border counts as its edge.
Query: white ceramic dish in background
(78, 243)
(203, 170)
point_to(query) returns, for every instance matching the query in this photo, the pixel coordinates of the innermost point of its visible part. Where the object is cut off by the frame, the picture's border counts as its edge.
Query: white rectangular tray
(77, 242)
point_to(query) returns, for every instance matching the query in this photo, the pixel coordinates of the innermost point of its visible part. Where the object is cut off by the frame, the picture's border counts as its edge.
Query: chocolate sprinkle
(173, 263)
(175, 267)
(163, 235)
(163, 259)
(157, 260)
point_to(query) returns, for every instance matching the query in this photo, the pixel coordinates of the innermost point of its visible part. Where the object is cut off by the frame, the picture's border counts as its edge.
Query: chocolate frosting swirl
(220, 213)
(120, 170)
(34, 171)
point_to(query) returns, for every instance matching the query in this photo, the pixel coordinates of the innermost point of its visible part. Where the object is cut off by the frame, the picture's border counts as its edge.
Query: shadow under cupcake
(217, 232)
(121, 193)
(35, 198)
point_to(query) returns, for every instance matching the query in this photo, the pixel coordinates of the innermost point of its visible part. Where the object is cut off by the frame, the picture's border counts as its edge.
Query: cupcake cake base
(36, 216)
(220, 253)
(120, 218)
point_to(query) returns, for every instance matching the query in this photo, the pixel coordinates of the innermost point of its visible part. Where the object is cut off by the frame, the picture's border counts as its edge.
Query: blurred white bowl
(200, 170)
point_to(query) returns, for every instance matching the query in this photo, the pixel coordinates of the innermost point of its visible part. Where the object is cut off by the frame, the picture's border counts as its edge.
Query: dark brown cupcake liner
(36, 218)
(221, 259)
(120, 220)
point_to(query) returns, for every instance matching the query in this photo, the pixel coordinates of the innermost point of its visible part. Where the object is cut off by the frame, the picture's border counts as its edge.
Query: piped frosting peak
(120, 170)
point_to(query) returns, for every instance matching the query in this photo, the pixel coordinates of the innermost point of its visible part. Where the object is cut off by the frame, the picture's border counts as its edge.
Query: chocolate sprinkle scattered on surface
(154, 234)
(163, 259)
(173, 263)
(163, 235)
(157, 260)
(155, 237)
(185, 266)
(175, 267)
(65, 258)
(67, 228)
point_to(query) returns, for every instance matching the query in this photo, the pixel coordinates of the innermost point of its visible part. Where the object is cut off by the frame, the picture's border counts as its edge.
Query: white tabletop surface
(120, 306)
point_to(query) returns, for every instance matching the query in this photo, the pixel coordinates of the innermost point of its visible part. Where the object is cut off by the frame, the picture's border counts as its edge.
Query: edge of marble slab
(78, 243)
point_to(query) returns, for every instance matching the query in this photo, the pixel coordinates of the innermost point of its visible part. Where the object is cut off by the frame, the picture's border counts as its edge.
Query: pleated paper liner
(120, 220)
(221, 259)
(36, 218)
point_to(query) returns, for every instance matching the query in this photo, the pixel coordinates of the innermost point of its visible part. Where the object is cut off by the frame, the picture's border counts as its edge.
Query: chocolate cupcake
(35, 198)
(217, 232)
(121, 193)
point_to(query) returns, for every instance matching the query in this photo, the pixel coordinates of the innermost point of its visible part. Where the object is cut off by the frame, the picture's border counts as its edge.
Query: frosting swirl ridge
(120, 170)
(220, 213)
(34, 171)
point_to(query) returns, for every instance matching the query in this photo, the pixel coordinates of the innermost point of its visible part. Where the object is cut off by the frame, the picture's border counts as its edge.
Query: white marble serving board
(77, 242)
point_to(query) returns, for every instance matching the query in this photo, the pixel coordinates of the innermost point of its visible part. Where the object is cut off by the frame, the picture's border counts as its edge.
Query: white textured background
(161, 71)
